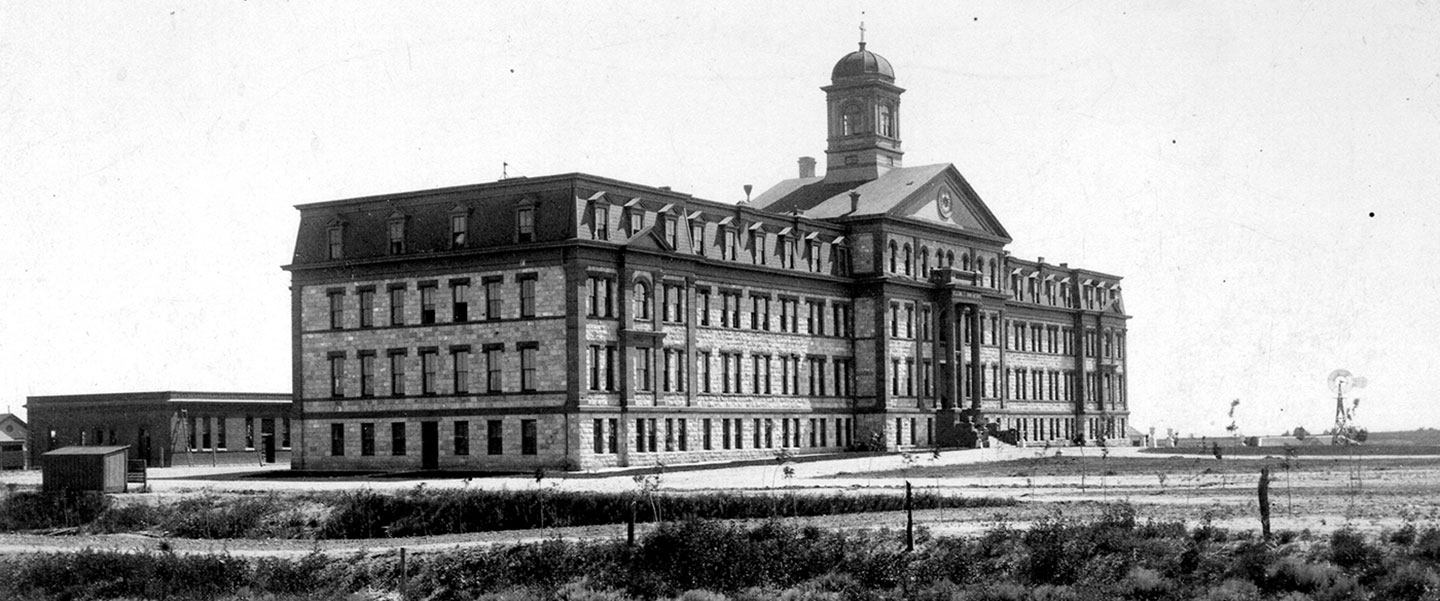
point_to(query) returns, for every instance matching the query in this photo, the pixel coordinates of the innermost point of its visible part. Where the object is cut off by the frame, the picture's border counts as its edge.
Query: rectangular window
(397, 306)
(337, 439)
(643, 361)
(529, 437)
(697, 238)
(909, 320)
(249, 433)
(335, 237)
(669, 434)
(367, 440)
(672, 232)
(428, 366)
(640, 435)
(427, 305)
(702, 370)
(725, 434)
(367, 308)
(769, 433)
(527, 296)
(612, 439)
(397, 438)
(397, 237)
(337, 310)
(815, 322)
(459, 227)
(637, 220)
(462, 438)
(594, 357)
(597, 432)
(610, 363)
(461, 361)
(492, 370)
(460, 302)
(206, 427)
(397, 374)
(528, 358)
(525, 224)
(704, 307)
(367, 375)
(705, 434)
(601, 224)
(337, 375)
(493, 302)
(757, 434)
(494, 437)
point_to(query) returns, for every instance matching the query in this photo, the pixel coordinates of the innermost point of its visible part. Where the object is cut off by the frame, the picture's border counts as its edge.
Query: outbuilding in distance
(165, 428)
(97, 468)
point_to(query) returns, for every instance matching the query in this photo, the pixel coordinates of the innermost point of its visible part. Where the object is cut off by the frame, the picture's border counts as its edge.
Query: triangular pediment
(946, 198)
(649, 238)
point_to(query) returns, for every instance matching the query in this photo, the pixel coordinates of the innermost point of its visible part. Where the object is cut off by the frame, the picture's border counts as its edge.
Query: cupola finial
(862, 32)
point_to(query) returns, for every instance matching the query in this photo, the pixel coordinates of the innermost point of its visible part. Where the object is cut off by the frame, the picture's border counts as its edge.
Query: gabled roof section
(649, 238)
(913, 192)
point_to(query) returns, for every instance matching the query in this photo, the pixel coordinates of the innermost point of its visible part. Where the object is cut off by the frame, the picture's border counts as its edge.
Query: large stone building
(578, 321)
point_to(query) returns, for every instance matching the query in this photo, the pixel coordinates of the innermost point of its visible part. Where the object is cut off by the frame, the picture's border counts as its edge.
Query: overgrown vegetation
(422, 511)
(1113, 557)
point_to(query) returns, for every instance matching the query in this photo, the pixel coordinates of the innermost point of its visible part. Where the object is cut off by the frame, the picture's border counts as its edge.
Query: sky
(1263, 175)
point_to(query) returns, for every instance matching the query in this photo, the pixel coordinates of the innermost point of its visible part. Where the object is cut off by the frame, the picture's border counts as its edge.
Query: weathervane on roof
(862, 30)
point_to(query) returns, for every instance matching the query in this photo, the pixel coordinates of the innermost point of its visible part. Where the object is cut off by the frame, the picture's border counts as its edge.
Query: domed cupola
(863, 111)
(862, 63)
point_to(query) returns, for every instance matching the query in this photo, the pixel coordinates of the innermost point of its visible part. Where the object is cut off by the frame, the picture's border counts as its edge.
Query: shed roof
(90, 450)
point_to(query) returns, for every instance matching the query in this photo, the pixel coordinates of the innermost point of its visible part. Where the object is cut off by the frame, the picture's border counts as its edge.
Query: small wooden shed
(100, 468)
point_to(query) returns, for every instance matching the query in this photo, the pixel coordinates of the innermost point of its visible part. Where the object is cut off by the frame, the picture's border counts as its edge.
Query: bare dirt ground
(1318, 494)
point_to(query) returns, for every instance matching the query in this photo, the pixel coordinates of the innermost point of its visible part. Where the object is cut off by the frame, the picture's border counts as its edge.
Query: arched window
(964, 262)
(908, 257)
(642, 301)
(924, 262)
(949, 258)
(885, 121)
(991, 279)
(894, 255)
(849, 120)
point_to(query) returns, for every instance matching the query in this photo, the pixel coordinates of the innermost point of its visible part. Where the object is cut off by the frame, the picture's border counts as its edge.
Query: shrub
(36, 510)
(1409, 582)
(1349, 550)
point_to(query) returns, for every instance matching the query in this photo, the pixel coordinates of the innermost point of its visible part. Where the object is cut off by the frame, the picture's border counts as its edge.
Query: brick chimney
(807, 166)
(854, 201)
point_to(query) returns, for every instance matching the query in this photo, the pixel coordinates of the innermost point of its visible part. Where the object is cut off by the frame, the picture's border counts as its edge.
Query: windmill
(1342, 381)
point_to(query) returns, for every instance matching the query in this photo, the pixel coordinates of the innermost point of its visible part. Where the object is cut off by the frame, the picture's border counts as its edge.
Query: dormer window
(697, 238)
(459, 229)
(672, 233)
(397, 234)
(757, 247)
(525, 221)
(335, 241)
(601, 224)
(812, 257)
(637, 219)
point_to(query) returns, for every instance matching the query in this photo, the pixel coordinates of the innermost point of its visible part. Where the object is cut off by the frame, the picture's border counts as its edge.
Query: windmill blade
(1358, 382)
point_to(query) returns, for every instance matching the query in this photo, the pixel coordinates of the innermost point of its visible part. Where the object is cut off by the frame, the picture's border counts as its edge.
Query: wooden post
(630, 527)
(1264, 493)
(402, 572)
(909, 520)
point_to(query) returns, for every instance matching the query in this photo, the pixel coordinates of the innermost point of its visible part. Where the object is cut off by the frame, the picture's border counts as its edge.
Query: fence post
(630, 526)
(403, 577)
(1264, 494)
(909, 520)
